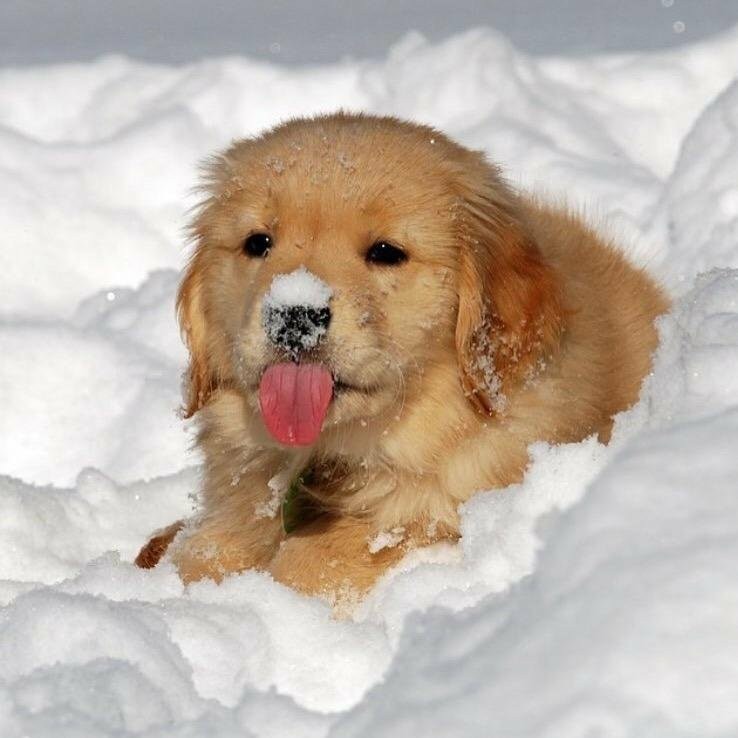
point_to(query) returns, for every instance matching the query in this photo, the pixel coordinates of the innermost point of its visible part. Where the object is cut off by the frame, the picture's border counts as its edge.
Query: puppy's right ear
(200, 381)
(204, 373)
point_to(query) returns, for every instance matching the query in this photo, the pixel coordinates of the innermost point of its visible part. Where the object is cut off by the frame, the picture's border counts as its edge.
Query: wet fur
(512, 322)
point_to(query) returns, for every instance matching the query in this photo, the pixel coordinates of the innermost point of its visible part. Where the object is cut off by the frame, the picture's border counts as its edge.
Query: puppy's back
(611, 308)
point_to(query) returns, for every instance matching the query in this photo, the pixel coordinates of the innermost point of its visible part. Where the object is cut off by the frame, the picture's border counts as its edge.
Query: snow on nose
(295, 310)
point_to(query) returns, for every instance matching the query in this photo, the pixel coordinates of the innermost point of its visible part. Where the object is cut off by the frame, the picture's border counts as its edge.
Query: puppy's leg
(239, 528)
(331, 557)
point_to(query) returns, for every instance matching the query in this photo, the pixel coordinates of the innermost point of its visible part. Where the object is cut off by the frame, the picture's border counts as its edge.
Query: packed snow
(597, 597)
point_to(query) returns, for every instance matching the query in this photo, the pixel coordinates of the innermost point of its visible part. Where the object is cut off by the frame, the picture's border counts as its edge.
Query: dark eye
(257, 244)
(385, 253)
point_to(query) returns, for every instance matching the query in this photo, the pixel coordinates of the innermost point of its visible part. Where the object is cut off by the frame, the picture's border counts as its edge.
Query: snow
(95, 389)
(386, 539)
(597, 597)
(278, 485)
(298, 288)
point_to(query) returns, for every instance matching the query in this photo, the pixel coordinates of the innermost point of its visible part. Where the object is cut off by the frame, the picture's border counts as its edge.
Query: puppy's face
(337, 259)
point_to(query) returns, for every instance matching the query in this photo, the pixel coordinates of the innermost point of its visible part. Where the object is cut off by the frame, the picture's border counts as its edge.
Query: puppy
(378, 327)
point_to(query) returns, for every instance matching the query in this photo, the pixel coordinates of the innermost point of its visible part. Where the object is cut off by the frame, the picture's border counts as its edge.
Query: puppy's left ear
(510, 315)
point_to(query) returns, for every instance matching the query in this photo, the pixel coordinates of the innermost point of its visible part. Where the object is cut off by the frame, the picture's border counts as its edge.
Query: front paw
(331, 558)
(208, 553)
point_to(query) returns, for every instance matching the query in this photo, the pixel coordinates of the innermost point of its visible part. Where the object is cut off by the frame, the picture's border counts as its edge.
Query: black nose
(295, 328)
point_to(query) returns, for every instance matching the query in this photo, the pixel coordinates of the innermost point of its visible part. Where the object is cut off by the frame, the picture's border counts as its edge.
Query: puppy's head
(340, 258)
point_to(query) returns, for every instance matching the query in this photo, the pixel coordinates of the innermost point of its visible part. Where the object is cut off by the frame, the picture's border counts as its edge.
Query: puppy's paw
(149, 556)
(330, 557)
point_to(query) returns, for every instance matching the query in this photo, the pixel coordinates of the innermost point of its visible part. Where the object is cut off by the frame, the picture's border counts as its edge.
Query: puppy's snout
(295, 311)
(296, 328)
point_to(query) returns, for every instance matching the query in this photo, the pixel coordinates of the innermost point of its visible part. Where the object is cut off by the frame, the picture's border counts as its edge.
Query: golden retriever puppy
(379, 326)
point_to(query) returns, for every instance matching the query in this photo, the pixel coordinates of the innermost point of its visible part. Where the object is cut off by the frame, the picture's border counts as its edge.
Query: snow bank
(597, 597)
(96, 389)
(627, 624)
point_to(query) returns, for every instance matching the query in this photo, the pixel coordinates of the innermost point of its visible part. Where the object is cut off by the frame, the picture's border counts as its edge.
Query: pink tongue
(294, 400)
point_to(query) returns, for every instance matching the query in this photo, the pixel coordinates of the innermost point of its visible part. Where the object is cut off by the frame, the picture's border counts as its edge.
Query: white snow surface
(599, 597)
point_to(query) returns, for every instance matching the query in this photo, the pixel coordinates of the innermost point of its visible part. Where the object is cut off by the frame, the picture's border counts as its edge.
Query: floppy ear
(510, 313)
(218, 181)
(200, 381)
(201, 378)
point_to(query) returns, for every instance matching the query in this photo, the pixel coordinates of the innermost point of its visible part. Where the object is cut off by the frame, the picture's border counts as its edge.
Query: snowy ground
(599, 597)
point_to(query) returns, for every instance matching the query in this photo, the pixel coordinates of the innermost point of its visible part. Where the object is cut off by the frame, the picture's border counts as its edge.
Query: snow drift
(598, 597)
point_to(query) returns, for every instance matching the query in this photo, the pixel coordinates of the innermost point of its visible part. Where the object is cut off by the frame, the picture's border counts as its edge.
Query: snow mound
(700, 201)
(95, 390)
(597, 597)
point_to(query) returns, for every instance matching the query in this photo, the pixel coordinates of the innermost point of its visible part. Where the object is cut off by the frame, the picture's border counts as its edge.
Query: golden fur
(511, 322)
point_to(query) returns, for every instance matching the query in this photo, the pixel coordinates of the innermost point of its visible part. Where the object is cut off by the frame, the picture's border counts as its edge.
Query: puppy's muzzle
(295, 328)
